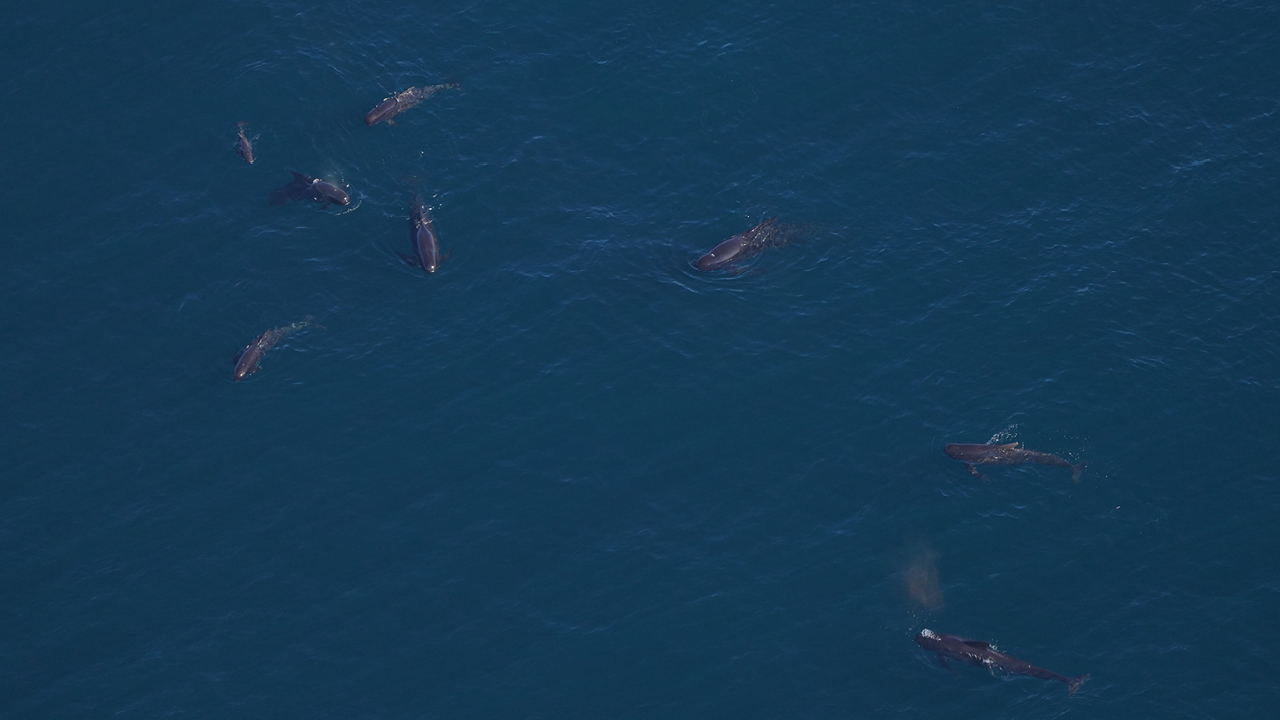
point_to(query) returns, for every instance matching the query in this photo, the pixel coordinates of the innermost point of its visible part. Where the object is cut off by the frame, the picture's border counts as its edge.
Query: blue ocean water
(570, 476)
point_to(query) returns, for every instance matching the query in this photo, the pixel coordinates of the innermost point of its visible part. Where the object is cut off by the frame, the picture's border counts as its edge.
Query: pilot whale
(982, 654)
(1007, 454)
(422, 231)
(740, 247)
(243, 147)
(248, 360)
(305, 186)
(402, 101)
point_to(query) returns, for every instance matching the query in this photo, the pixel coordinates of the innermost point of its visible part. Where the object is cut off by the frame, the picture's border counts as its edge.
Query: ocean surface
(570, 476)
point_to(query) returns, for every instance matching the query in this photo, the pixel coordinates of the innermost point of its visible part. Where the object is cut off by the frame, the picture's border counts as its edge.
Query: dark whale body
(422, 232)
(981, 654)
(248, 360)
(1007, 454)
(305, 187)
(743, 246)
(402, 101)
(244, 148)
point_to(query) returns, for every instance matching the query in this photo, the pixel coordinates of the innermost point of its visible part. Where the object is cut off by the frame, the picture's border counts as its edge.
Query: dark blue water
(570, 476)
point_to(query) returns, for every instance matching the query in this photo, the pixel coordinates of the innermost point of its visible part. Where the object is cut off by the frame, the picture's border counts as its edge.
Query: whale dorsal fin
(978, 644)
(1008, 445)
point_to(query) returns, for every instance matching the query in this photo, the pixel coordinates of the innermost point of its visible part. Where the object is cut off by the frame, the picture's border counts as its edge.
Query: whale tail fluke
(1076, 471)
(1074, 684)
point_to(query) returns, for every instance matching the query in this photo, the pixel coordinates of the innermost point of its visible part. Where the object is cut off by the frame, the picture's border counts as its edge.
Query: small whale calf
(244, 148)
(1008, 454)
(402, 101)
(248, 360)
(306, 187)
(422, 232)
(982, 654)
